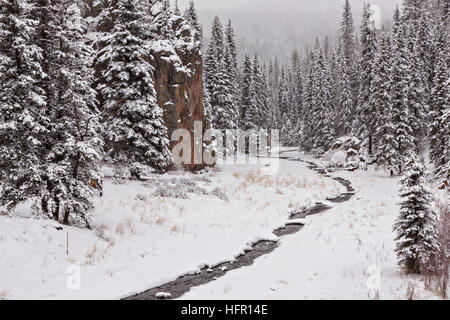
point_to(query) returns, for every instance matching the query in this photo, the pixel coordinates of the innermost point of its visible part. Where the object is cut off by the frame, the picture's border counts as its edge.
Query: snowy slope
(144, 240)
(337, 254)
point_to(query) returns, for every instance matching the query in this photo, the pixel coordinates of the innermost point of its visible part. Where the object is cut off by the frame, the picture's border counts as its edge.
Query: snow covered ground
(146, 237)
(344, 253)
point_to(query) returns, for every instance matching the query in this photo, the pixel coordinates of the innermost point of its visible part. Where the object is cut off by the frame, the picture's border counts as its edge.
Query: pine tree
(135, 129)
(274, 115)
(347, 40)
(23, 122)
(322, 122)
(416, 93)
(160, 15)
(219, 80)
(248, 111)
(260, 94)
(400, 111)
(365, 124)
(425, 48)
(308, 126)
(231, 66)
(440, 115)
(439, 130)
(412, 10)
(348, 35)
(192, 17)
(381, 101)
(345, 108)
(73, 162)
(417, 237)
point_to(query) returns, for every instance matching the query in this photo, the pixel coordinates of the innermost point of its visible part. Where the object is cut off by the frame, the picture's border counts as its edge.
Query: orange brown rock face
(177, 76)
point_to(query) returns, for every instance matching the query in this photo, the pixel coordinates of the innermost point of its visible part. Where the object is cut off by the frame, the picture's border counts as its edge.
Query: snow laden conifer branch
(134, 127)
(417, 235)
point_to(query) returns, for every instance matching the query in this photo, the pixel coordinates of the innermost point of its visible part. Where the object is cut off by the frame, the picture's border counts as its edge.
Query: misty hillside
(275, 30)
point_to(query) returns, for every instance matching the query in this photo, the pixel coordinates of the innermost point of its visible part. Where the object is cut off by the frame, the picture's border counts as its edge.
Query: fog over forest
(276, 27)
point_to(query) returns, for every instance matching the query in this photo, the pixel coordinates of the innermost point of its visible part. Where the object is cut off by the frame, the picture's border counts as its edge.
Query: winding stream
(185, 282)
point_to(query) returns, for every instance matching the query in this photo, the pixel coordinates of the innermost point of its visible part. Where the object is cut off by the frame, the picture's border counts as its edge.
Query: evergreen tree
(381, 101)
(426, 48)
(347, 40)
(440, 116)
(231, 66)
(135, 131)
(308, 138)
(248, 111)
(219, 80)
(365, 124)
(400, 111)
(260, 92)
(73, 162)
(417, 239)
(192, 17)
(160, 15)
(439, 130)
(23, 123)
(416, 93)
(345, 108)
(347, 37)
(322, 122)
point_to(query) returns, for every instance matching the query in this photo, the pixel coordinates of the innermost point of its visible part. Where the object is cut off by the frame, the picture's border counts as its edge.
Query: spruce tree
(135, 130)
(440, 115)
(365, 124)
(347, 40)
(345, 107)
(260, 94)
(23, 100)
(416, 91)
(160, 15)
(439, 129)
(417, 237)
(231, 67)
(72, 165)
(192, 17)
(381, 101)
(219, 80)
(400, 111)
(348, 34)
(248, 112)
(322, 122)
(308, 126)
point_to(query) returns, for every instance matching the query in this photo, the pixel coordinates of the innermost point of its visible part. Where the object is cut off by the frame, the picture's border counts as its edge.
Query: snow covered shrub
(178, 188)
(220, 194)
(346, 152)
(417, 234)
(168, 191)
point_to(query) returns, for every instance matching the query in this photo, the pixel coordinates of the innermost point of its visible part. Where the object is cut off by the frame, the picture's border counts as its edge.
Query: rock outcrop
(178, 71)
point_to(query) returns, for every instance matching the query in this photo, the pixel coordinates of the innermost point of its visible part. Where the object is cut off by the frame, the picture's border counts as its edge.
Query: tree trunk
(44, 205)
(370, 144)
(56, 209)
(66, 217)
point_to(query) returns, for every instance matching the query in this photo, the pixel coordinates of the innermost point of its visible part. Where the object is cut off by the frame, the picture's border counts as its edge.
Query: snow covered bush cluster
(69, 103)
(346, 152)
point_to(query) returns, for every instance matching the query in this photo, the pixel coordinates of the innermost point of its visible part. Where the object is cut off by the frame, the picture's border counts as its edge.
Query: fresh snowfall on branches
(330, 170)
